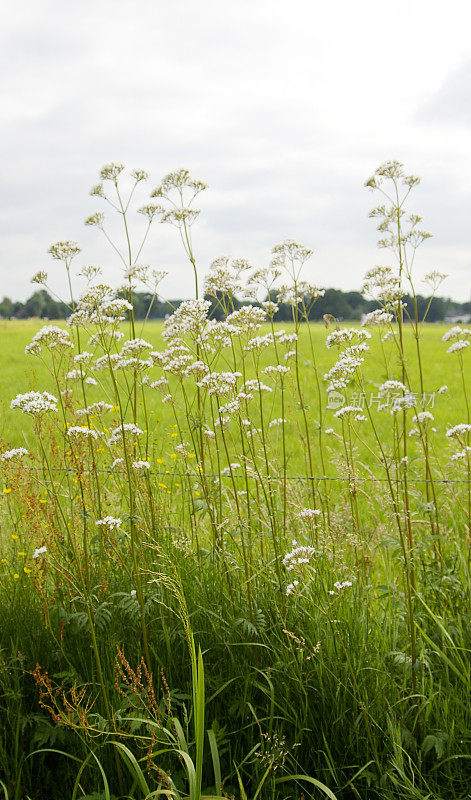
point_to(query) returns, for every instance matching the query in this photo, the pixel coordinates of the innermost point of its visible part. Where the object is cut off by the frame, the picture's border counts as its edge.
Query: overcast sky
(283, 108)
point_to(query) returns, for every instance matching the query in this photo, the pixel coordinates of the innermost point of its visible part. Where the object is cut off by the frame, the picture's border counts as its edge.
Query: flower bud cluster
(17, 452)
(35, 403)
(300, 554)
(50, 337)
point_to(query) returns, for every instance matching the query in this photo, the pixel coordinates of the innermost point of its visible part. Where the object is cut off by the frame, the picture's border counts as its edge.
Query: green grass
(21, 373)
(315, 684)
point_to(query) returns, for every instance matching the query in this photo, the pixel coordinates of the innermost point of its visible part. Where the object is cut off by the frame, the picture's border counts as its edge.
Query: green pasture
(312, 693)
(21, 373)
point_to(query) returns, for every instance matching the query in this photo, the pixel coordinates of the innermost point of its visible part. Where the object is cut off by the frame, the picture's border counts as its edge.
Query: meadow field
(20, 375)
(234, 554)
(301, 686)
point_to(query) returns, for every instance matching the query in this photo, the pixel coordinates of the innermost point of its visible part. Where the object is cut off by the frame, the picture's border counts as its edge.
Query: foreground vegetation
(236, 556)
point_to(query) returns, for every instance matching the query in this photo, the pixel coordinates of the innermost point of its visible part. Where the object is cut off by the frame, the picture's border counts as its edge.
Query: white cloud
(450, 105)
(284, 109)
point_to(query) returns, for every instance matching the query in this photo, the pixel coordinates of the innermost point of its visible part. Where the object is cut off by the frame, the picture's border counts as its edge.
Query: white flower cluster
(276, 422)
(269, 307)
(254, 385)
(353, 411)
(129, 428)
(176, 359)
(233, 406)
(461, 344)
(247, 319)
(219, 383)
(50, 336)
(217, 335)
(462, 454)
(75, 375)
(234, 466)
(381, 283)
(270, 339)
(423, 417)
(198, 368)
(113, 310)
(104, 362)
(377, 317)
(82, 433)
(291, 587)
(136, 364)
(135, 346)
(349, 359)
(276, 369)
(109, 522)
(391, 386)
(457, 332)
(224, 277)
(189, 318)
(17, 452)
(83, 358)
(96, 408)
(403, 403)
(97, 307)
(345, 335)
(461, 335)
(35, 403)
(141, 465)
(182, 448)
(340, 586)
(309, 513)
(458, 430)
(39, 551)
(296, 293)
(300, 554)
(157, 384)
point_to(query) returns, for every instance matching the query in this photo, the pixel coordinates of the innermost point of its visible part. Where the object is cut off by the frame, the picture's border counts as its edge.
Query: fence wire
(281, 478)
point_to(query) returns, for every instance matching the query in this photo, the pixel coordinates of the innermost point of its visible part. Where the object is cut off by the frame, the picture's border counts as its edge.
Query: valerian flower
(40, 277)
(64, 251)
(109, 522)
(51, 337)
(300, 554)
(81, 432)
(35, 403)
(17, 452)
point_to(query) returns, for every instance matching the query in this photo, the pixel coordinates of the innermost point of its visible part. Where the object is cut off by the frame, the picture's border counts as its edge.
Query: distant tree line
(343, 305)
